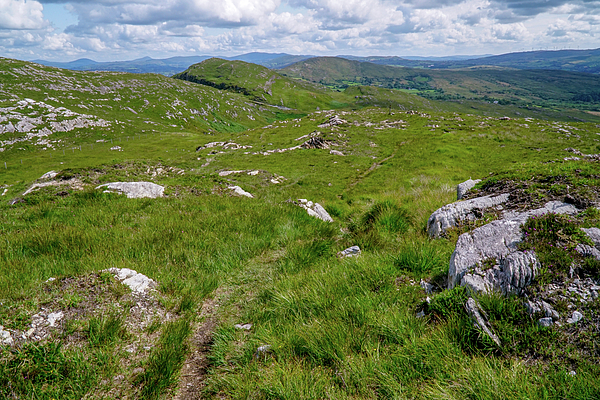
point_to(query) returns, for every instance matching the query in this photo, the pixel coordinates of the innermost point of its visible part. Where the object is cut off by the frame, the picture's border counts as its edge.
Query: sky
(111, 30)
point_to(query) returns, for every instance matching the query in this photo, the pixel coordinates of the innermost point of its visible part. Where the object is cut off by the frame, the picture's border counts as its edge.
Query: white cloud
(21, 14)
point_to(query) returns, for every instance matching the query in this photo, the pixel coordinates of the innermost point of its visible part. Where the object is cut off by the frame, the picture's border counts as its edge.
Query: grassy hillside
(260, 84)
(341, 328)
(523, 88)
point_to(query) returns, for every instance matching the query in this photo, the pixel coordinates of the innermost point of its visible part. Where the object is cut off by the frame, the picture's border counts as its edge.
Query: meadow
(334, 327)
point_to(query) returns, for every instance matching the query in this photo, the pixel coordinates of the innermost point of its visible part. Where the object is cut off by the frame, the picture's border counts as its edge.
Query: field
(322, 326)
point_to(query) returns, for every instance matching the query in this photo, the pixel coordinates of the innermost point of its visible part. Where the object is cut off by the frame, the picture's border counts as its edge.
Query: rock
(594, 235)
(240, 192)
(245, 327)
(263, 350)
(5, 337)
(116, 148)
(349, 252)
(451, 215)
(314, 210)
(315, 143)
(49, 175)
(496, 242)
(420, 314)
(135, 190)
(474, 312)
(428, 287)
(53, 318)
(16, 200)
(575, 317)
(333, 121)
(541, 306)
(463, 188)
(336, 153)
(588, 251)
(545, 322)
(138, 283)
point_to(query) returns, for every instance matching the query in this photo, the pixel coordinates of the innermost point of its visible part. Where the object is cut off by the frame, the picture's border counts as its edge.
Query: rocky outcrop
(314, 210)
(451, 215)
(487, 259)
(463, 188)
(134, 190)
(138, 283)
(334, 120)
(478, 317)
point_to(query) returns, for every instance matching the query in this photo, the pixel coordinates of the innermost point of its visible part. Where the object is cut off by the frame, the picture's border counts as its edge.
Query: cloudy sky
(104, 30)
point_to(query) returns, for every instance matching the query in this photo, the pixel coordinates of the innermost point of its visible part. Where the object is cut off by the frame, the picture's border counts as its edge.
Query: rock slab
(314, 210)
(463, 188)
(135, 190)
(138, 283)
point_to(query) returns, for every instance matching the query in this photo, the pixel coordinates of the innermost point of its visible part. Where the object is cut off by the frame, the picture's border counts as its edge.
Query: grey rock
(336, 153)
(428, 287)
(463, 188)
(349, 252)
(497, 241)
(5, 337)
(49, 175)
(588, 251)
(135, 190)
(53, 318)
(420, 314)
(138, 283)
(451, 215)
(240, 192)
(545, 322)
(575, 317)
(262, 350)
(314, 210)
(245, 327)
(475, 313)
(594, 235)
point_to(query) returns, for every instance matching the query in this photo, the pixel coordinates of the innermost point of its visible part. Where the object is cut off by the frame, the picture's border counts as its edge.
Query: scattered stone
(314, 210)
(5, 337)
(53, 318)
(334, 120)
(240, 192)
(545, 322)
(138, 283)
(464, 187)
(420, 314)
(245, 327)
(451, 215)
(134, 190)
(315, 143)
(263, 350)
(116, 148)
(428, 287)
(16, 200)
(336, 153)
(474, 311)
(49, 175)
(353, 251)
(575, 317)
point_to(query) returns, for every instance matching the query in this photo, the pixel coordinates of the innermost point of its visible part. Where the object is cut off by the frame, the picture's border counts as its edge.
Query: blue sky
(106, 30)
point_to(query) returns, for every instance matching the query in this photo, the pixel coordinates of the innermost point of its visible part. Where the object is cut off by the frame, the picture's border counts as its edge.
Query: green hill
(260, 84)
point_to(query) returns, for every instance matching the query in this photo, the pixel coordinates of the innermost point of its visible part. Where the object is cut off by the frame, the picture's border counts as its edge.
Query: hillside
(161, 239)
(520, 87)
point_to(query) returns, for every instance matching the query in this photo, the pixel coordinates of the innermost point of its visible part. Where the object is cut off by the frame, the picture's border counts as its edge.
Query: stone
(428, 287)
(588, 251)
(452, 214)
(263, 350)
(314, 210)
(134, 190)
(545, 322)
(336, 153)
(49, 175)
(138, 283)
(53, 318)
(240, 192)
(245, 327)
(511, 270)
(349, 252)
(463, 188)
(475, 313)
(5, 337)
(420, 314)
(594, 235)
(575, 317)
(116, 148)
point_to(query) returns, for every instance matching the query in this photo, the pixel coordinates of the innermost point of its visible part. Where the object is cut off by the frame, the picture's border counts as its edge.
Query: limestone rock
(450, 215)
(245, 327)
(240, 192)
(588, 251)
(464, 187)
(594, 235)
(135, 190)
(314, 210)
(49, 175)
(54, 317)
(575, 317)
(336, 152)
(427, 287)
(138, 283)
(545, 322)
(349, 252)
(5, 337)
(475, 313)
(496, 243)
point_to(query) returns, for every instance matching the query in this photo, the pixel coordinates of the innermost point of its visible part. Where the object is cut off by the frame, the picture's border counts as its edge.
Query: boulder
(240, 192)
(134, 190)
(464, 187)
(487, 259)
(594, 235)
(314, 210)
(451, 215)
